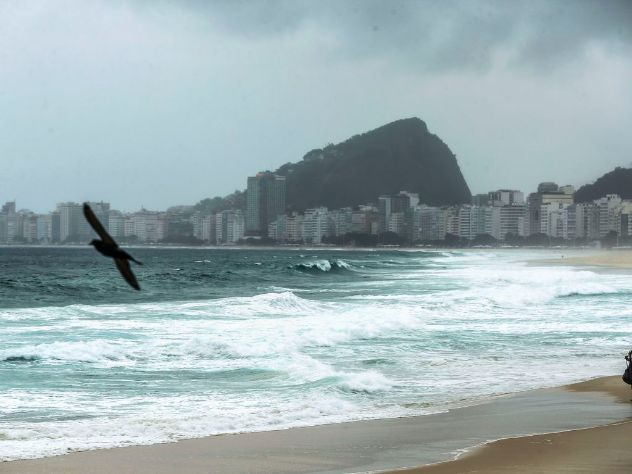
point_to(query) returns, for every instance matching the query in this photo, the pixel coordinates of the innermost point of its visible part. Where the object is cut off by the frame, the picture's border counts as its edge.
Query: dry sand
(593, 258)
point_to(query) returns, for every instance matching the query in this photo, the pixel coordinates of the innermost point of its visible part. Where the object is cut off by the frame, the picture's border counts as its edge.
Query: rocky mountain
(399, 156)
(617, 181)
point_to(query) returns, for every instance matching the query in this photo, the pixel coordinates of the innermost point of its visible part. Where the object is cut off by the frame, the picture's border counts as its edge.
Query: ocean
(240, 340)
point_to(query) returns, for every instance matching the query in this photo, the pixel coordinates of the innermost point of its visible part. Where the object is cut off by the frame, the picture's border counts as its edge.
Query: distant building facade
(265, 201)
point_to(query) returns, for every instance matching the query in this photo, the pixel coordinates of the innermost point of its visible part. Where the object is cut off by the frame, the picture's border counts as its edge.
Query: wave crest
(318, 266)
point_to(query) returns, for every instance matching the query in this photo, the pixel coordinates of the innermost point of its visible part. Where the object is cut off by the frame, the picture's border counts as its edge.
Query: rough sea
(228, 340)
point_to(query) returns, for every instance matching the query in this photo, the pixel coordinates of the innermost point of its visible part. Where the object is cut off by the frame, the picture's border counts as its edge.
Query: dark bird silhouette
(108, 247)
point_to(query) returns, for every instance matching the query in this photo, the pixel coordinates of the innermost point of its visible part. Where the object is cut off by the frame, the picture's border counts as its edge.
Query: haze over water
(223, 341)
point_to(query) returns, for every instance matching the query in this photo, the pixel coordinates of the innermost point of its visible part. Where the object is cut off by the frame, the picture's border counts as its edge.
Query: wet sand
(382, 445)
(603, 449)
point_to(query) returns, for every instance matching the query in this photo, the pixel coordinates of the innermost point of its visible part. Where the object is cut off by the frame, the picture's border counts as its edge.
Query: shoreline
(603, 449)
(613, 259)
(386, 445)
(575, 438)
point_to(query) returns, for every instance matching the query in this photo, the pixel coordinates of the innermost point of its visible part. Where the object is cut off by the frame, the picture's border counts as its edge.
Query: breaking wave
(318, 266)
(271, 349)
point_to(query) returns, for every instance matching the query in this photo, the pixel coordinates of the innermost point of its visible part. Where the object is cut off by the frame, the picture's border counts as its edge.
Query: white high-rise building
(475, 220)
(586, 220)
(505, 197)
(315, 225)
(608, 206)
(511, 219)
(294, 228)
(207, 229)
(229, 227)
(116, 224)
(452, 220)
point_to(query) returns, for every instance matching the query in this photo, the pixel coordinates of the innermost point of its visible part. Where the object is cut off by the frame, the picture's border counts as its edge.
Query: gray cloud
(437, 35)
(185, 99)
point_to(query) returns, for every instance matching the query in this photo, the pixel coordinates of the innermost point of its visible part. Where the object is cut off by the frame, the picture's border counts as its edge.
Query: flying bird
(108, 247)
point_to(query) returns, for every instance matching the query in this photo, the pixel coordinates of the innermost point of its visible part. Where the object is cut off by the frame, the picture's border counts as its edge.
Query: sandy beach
(592, 258)
(603, 449)
(383, 445)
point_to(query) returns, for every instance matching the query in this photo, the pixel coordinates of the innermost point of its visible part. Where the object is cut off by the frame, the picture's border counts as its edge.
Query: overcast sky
(157, 103)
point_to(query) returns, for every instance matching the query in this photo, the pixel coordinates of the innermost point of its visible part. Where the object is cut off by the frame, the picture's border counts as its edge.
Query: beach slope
(604, 449)
(382, 445)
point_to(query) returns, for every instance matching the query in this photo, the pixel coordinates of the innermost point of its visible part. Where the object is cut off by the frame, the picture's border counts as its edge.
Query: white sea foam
(406, 340)
(81, 351)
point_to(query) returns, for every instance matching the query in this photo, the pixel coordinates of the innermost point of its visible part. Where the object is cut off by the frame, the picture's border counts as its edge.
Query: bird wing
(96, 225)
(126, 271)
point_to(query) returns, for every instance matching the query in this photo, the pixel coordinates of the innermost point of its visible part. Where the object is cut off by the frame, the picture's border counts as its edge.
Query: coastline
(615, 258)
(603, 449)
(576, 439)
(379, 445)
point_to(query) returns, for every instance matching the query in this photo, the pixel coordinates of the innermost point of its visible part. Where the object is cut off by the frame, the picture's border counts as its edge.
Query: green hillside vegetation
(236, 200)
(618, 181)
(400, 156)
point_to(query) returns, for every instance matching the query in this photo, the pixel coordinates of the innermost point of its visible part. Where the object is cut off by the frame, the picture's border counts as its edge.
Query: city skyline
(190, 96)
(498, 216)
(47, 208)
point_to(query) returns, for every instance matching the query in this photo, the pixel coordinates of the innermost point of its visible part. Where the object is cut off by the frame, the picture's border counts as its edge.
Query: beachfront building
(475, 220)
(452, 220)
(315, 225)
(391, 209)
(586, 221)
(364, 220)
(553, 220)
(508, 219)
(426, 223)
(608, 212)
(29, 227)
(7, 221)
(624, 219)
(397, 223)
(70, 217)
(548, 193)
(146, 226)
(265, 201)
(294, 227)
(208, 229)
(504, 197)
(287, 229)
(340, 221)
(229, 227)
(116, 224)
(43, 228)
(204, 227)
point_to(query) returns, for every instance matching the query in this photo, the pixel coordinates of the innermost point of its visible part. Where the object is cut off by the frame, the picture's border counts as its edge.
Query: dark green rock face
(400, 156)
(617, 181)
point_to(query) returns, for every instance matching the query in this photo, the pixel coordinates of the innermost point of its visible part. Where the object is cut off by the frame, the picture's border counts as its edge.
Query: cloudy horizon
(163, 103)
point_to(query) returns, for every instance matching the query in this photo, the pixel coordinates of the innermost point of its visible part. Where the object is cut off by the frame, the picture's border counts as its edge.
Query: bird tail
(136, 261)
